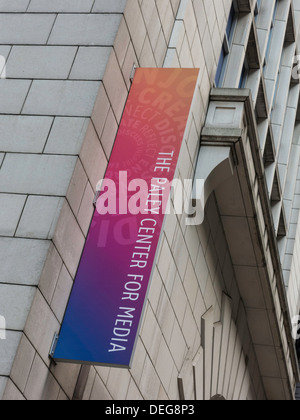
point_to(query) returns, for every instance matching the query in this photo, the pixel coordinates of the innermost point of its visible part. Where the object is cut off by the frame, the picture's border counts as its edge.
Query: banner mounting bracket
(133, 70)
(53, 347)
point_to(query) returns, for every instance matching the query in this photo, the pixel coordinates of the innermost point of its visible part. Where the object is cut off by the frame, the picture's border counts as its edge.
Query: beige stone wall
(56, 55)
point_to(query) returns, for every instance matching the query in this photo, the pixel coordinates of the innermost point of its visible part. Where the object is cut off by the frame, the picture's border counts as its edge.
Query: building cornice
(231, 125)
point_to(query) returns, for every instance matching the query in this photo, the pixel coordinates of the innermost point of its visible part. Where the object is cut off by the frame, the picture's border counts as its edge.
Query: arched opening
(218, 397)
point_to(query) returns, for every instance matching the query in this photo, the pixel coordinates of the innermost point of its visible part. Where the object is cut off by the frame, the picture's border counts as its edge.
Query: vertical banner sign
(104, 313)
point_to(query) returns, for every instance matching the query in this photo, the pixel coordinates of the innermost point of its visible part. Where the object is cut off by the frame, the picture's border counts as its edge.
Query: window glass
(220, 67)
(230, 25)
(244, 75)
(226, 47)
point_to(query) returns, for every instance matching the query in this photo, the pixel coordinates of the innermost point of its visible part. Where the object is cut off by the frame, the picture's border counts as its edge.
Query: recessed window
(271, 30)
(244, 76)
(227, 43)
(221, 66)
(257, 8)
(230, 25)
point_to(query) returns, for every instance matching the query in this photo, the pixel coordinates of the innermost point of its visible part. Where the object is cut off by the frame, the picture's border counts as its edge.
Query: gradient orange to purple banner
(105, 309)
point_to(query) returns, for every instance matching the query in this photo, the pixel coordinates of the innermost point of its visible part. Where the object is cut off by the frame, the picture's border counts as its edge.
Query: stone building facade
(224, 294)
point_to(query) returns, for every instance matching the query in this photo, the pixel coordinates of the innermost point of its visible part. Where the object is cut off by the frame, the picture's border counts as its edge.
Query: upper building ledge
(237, 177)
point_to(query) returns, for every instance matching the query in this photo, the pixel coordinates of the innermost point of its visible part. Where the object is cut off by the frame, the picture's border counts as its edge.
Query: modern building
(224, 300)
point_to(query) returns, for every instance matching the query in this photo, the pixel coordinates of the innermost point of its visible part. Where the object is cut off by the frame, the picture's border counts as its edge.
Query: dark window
(218, 397)
(227, 42)
(257, 7)
(244, 75)
(271, 29)
(220, 68)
